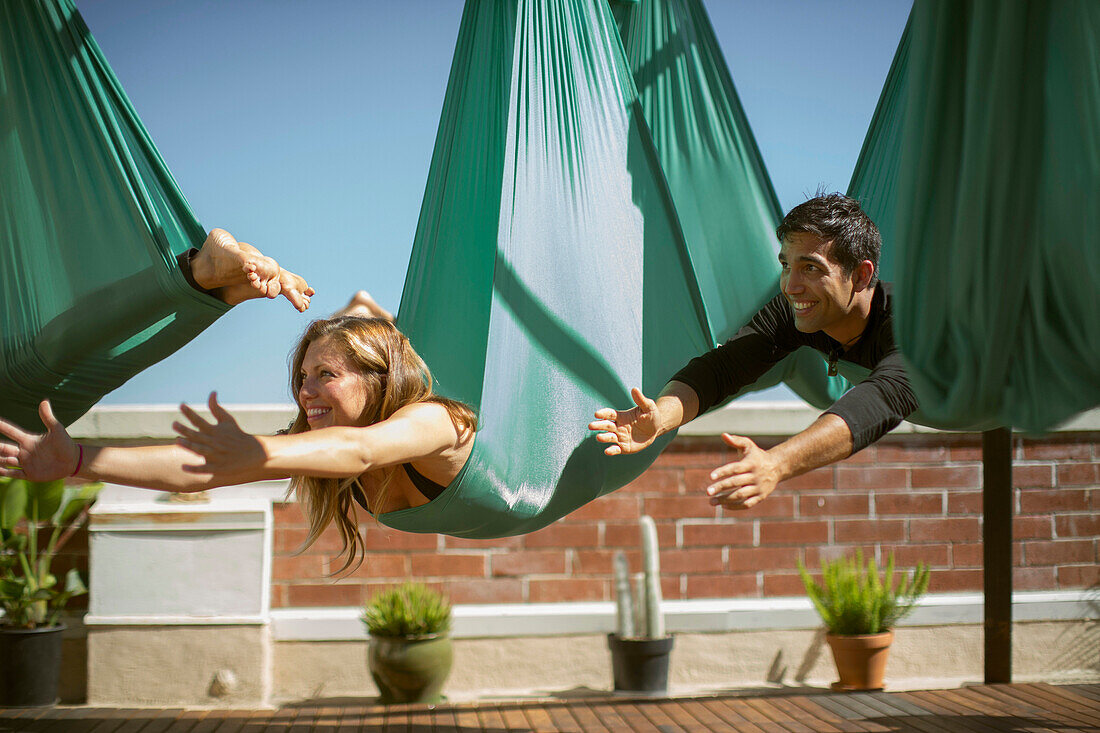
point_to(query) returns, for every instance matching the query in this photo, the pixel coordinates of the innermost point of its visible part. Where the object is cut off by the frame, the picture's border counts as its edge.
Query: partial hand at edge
(38, 456)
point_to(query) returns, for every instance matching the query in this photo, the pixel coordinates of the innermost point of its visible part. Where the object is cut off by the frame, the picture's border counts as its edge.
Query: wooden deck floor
(1019, 708)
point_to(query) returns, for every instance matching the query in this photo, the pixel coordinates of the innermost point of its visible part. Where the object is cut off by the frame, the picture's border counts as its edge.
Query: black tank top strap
(430, 489)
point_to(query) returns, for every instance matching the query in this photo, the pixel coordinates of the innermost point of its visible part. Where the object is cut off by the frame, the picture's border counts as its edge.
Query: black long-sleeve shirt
(871, 408)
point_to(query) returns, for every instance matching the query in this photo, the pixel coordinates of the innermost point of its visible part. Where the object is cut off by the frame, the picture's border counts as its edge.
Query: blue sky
(307, 130)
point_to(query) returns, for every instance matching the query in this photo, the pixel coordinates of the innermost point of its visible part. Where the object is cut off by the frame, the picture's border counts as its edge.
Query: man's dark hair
(835, 217)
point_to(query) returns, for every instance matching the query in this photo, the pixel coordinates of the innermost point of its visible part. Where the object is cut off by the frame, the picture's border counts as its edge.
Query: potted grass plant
(640, 648)
(36, 521)
(410, 654)
(860, 608)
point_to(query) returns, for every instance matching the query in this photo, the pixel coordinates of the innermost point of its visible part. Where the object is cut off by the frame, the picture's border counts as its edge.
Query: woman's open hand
(224, 446)
(38, 456)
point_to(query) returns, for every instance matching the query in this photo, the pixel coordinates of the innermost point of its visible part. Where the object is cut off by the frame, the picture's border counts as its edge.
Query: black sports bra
(430, 489)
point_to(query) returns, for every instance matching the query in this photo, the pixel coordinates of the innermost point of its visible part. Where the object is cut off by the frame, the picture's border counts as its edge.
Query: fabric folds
(549, 273)
(90, 223)
(724, 199)
(982, 167)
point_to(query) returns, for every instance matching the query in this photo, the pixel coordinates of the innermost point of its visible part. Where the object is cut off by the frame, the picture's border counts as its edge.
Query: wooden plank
(466, 718)
(1069, 708)
(718, 708)
(561, 717)
(1003, 717)
(954, 716)
(777, 715)
(698, 709)
(845, 707)
(814, 708)
(185, 721)
(161, 720)
(490, 718)
(898, 703)
(587, 718)
(112, 719)
(443, 719)
(739, 707)
(538, 718)
(658, 716)
(59, 719)
(233, 721)
(302, 722)
(676, 717)
(1092, 692)
(635, 719)
(420, 719)
(1011, 696)
(514, 719)
(278, 721)
(794, 712)
(609, 715)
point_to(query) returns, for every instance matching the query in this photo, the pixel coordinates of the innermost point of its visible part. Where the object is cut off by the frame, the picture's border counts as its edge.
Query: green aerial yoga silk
(723, 196)
(982, 169)
(550, 272)
(90, 223)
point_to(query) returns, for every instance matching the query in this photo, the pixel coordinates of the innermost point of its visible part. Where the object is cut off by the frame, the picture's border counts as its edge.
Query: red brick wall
(918, 496)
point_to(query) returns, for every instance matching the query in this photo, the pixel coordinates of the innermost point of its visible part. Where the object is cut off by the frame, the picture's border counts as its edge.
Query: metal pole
(997, 510)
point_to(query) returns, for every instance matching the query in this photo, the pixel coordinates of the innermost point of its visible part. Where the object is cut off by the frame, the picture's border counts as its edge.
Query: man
(830, 299)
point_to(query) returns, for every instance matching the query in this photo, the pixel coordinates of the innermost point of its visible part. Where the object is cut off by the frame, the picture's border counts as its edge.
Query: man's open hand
(747, 481)
(628, 431)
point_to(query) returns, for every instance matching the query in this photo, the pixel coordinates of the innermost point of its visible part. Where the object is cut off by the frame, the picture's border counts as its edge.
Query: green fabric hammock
(563, 254)
(90, 223)
(723, 196)
(982, 168)
(549, 273)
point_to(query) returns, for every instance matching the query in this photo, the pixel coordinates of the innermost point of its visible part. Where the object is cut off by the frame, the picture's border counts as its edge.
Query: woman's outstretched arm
(419, 431)
(54, 455)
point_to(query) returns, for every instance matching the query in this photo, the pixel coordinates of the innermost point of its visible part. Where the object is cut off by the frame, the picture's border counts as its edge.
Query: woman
(368, 429)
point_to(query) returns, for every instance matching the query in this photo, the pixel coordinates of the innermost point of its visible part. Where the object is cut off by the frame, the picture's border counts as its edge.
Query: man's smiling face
(816, 287)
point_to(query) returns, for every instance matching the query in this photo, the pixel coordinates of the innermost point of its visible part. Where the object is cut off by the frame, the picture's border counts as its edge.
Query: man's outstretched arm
(749, 480)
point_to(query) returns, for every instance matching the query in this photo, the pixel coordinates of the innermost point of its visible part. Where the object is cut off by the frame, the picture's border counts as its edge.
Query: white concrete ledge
(175, 620)
(127, 422)
(698, 616)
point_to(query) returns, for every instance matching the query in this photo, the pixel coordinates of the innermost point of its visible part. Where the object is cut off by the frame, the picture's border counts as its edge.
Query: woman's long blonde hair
(395, 376)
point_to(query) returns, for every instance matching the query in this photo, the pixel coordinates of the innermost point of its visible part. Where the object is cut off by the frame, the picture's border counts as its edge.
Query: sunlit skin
(822, 298)
(333, 392)
(218, 452)
(236, 271)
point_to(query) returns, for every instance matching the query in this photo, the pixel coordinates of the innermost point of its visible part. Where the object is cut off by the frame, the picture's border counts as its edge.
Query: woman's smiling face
(333, 392)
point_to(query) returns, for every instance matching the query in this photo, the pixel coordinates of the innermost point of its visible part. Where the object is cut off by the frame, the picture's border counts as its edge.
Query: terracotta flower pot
(860, 660)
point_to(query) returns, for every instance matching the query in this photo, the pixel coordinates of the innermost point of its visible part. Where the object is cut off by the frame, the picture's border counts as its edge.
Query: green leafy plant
(411, 609)
(30, 594)
(853, 598)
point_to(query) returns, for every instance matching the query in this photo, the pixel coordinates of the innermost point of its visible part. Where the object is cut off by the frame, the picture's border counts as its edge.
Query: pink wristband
(79, 461)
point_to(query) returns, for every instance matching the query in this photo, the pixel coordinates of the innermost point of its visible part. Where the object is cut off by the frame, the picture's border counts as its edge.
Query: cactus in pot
(640, 648)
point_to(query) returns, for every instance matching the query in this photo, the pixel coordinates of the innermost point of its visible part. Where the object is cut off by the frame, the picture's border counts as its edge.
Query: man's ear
(861, 276)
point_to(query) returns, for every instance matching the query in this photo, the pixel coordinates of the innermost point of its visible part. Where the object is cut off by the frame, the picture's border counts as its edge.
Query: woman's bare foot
(236, 272)
(364, 306)
(295, 289)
